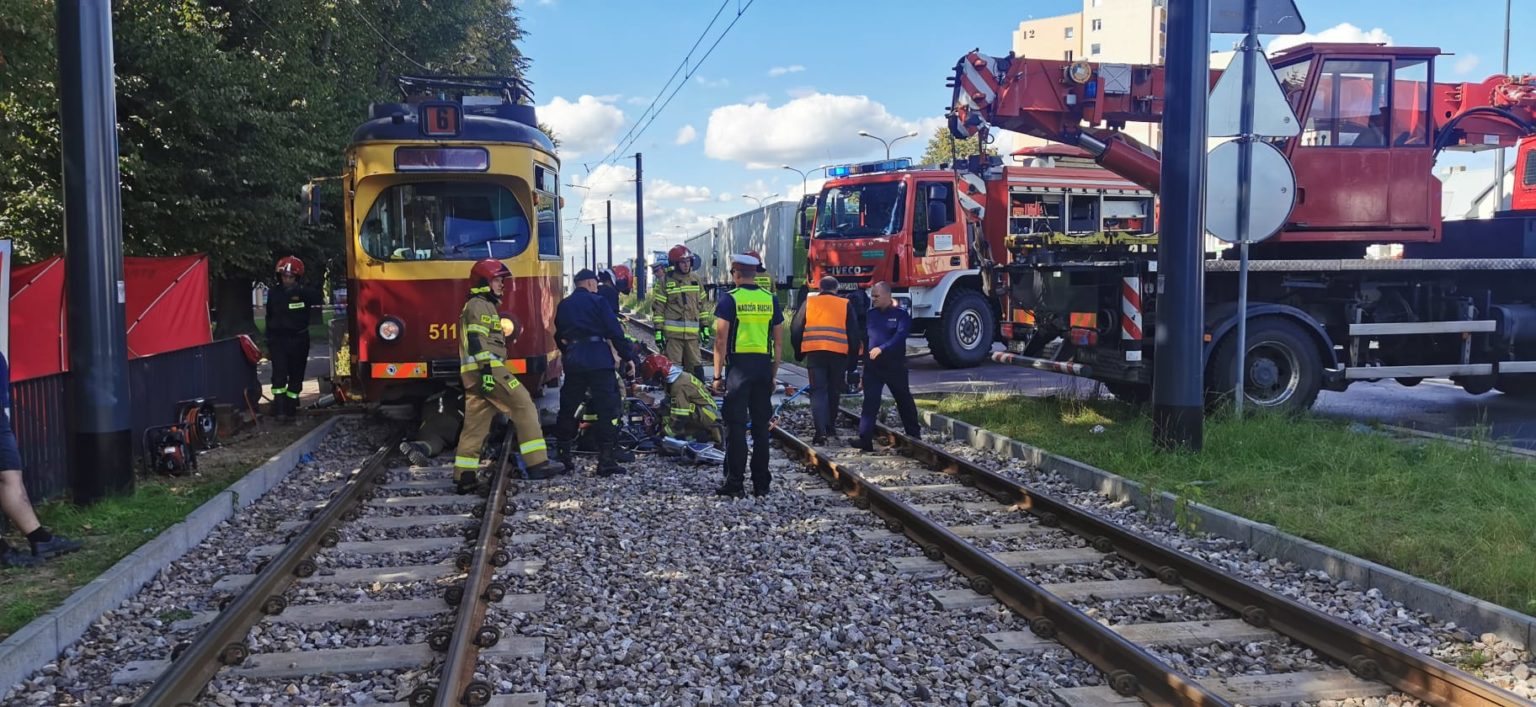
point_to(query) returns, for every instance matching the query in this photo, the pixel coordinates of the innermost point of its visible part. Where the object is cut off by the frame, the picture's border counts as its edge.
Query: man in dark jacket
(585, 326)
(825, 333)
(13, 494)
(885, 365)
(291, 308)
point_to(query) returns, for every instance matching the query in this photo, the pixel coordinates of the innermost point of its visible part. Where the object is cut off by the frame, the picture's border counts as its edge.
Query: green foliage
(225, 108)
(938, 152)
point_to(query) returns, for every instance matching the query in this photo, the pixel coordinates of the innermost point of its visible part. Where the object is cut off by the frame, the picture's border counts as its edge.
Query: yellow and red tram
(458, 172)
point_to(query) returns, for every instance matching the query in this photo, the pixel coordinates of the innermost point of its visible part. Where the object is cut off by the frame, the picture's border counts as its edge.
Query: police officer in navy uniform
(585, 326)
(748, 322)
(291, 308)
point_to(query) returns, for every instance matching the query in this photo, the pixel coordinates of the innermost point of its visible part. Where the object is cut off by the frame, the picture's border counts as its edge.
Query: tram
(457, 172)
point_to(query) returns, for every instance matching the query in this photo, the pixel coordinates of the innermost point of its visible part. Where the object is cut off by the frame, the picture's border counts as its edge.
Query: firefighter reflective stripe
(477, 329)
(533, 445)
(680, 325)
(754, 312)
(293, 394)
(826, 324)
(589, 418)
(709, 413)
(466, 462)
(682, 411)
(279, 391)
(474, 364)
(295, 305)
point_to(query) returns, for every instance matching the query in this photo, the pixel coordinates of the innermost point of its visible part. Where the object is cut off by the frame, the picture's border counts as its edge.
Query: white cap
(744, 259)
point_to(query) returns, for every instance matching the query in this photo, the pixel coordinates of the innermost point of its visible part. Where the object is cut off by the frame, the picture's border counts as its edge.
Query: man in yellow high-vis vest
(748, 323)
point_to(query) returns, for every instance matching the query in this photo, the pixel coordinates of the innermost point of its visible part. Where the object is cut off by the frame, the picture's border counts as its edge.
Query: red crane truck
(1460, 303)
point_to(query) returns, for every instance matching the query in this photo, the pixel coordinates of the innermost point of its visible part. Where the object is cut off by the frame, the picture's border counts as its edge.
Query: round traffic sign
(1272, 197)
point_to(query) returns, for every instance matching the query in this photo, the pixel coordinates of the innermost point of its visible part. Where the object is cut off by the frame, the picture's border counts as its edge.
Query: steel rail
(1132, 671)
(1368, 655)
(223, 641)
(457, 684)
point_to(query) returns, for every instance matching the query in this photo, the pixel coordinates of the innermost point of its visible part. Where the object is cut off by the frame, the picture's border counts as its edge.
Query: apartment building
(1121, 31)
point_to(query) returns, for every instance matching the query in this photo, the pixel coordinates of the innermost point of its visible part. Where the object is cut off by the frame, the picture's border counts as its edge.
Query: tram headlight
(389, 329)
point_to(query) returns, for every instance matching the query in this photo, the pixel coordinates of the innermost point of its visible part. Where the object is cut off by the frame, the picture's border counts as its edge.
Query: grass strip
(115, 527)
(1456, 515)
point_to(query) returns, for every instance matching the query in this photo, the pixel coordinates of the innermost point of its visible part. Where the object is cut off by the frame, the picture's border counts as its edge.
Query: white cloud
(811, 128)
(638, 100)
(756, 98)
(584, 126)
(782, 70)
(801, 91)
(1467, 63)
(686, 134)
(1345, 33)
(711, 83)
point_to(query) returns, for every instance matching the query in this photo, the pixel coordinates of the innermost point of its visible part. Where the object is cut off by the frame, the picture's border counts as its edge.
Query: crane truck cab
(937, 236)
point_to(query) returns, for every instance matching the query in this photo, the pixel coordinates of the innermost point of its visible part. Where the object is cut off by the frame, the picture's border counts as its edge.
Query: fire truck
(1460, 303)
(930, 234)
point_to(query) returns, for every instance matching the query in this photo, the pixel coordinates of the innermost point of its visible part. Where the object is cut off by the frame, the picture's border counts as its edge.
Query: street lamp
(803, 187)
(759, 201)
(883, 141)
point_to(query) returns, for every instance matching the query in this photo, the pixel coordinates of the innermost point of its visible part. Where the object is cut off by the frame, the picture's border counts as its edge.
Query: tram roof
(398, 122)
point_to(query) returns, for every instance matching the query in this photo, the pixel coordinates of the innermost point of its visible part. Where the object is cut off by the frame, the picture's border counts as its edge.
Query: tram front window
(445, 221)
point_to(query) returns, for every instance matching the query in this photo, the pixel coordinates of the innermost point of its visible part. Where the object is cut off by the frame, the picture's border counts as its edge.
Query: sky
(793, 81)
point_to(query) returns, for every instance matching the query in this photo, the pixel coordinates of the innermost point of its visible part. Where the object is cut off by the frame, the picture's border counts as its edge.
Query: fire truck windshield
(861, 210)
(445, 221)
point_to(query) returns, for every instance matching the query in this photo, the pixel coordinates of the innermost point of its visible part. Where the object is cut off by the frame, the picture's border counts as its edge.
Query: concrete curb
(1469, 612)
(41, 641)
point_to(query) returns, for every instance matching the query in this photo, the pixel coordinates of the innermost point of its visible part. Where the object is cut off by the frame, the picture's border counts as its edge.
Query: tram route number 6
(438, 332)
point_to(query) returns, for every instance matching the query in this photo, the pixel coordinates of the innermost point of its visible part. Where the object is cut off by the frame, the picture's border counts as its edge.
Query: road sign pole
(1178, 381)
(639, 232)
(1245, 196)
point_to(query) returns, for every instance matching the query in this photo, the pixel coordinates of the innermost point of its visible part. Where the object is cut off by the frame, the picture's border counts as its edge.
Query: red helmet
(486, 270)
(654, 365)
(760, 266)
(622, 278)
(678, 254)
(290, 266)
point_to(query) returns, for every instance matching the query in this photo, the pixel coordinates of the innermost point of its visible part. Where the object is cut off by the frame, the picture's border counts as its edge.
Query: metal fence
(218, 371)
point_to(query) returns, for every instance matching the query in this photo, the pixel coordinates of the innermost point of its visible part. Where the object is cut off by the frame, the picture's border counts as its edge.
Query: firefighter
(291, 308)
(825, 333)
(584, 329)
(675, 312)
(691, 408)
(747, 323)
(441, 418)
(488, 385)
(762, 279)
(607, 289)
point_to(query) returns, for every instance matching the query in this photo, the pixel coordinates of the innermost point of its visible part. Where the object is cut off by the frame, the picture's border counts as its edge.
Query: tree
(544, 128)
(938, 152)
(225, 108)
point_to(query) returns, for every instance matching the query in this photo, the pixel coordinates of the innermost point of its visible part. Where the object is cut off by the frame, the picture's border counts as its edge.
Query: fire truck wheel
(1518, 386)
(1284, 369)
(964, 335)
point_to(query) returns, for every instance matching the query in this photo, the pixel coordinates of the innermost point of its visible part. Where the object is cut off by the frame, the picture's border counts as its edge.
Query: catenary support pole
(101, 451)
(609, 204)
(1178, 380)
(640, 272)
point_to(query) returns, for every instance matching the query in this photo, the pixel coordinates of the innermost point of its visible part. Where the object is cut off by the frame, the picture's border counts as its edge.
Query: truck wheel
(1130, 393)
(1518, 386)
(1284, 370)
(963, 337)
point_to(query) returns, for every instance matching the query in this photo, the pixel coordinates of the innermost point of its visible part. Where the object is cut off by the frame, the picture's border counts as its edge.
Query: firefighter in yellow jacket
(488, 385)
(691, 409)
(675, 312)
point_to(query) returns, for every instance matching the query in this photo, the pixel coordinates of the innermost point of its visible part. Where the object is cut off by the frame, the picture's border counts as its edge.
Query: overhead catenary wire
(381, 36)
(686, 71)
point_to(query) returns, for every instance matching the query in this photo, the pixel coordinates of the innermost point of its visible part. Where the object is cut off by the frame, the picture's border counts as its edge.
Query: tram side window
(445, 221)
(546, 201)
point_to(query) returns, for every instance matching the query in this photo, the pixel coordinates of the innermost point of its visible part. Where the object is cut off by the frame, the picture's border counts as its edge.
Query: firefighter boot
(416, 452)
(607, 465)
(465, 481)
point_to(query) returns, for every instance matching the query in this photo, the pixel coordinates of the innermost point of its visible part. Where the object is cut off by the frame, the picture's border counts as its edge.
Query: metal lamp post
(887, 143)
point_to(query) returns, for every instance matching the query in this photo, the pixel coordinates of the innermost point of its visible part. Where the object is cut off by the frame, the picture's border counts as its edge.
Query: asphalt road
(1434, 406)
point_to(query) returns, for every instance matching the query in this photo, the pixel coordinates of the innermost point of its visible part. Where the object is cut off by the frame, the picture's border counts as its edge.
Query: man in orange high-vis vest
(826, 334)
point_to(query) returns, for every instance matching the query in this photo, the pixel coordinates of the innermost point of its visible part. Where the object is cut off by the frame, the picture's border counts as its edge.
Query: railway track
(1047, 560)
(447, 593)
